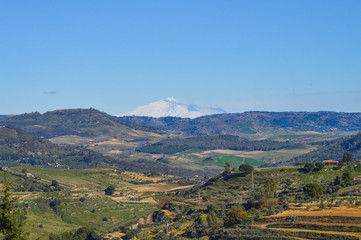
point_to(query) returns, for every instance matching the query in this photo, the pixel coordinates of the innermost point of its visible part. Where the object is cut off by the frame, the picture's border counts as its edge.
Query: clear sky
(272, 55)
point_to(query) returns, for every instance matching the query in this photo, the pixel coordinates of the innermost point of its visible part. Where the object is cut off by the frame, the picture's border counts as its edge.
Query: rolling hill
(80, 122)
(86, 127)
(258, 125)
(18, 146)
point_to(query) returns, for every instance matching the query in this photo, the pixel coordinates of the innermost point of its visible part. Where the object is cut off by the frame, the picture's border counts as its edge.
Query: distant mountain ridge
(171, 107)
(256, 125)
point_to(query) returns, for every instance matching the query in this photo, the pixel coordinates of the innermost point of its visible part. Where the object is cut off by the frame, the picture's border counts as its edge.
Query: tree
(109, 190)
(227, 168)
(320, 166)
(309, 167)
(347, 177)
(55, 184)
(337, 181)
(12, 218)
(212, 219)
(235, 216)
(246, 168)
(270, 188)
(313, 190)
(340, 165)
(347, 157)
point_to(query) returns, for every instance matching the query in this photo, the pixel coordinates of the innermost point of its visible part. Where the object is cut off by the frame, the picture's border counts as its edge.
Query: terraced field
(82, 201)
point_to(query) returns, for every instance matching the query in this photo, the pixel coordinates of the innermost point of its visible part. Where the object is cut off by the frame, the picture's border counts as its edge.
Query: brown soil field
(142, 176)
(148, 200)
(231, 152)
(115, 235)
(162, 187)
(115, 152)
(168, 213)
(111, 142)
(72, 140)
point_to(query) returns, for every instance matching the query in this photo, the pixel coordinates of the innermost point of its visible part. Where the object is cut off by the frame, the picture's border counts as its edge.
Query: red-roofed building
(330, 162)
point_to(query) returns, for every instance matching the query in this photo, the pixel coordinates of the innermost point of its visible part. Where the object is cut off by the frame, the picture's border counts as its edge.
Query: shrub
(235, 216)
(313, 190)
(109, 190)
(246, 168)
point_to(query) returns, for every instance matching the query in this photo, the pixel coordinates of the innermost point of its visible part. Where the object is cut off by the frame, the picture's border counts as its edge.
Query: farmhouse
(29, 175)
(358, 178)
(330, 162)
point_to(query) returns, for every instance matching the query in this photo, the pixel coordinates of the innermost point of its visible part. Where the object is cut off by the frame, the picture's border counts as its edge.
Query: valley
(82, 172)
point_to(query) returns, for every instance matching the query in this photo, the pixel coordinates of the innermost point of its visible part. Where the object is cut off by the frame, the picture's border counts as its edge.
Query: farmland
(81, 201)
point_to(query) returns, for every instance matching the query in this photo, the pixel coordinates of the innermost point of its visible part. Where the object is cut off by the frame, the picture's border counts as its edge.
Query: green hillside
(333, 150)
(80, 122)
(18, 146)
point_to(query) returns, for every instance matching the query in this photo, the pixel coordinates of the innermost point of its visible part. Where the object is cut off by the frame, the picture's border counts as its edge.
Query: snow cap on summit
(171, 107)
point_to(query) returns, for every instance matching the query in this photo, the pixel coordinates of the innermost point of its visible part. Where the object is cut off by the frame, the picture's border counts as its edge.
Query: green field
(234, 160)
(193, 150)
(284, 154)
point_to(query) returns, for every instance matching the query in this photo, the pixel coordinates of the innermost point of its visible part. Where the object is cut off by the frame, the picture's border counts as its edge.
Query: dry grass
(115, 235)
(229, 152)
(335, 211)
(141, 176)
(317, 231)
(148, 200)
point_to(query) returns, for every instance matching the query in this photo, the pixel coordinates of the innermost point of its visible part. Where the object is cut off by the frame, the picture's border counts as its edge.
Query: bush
(313, 190)
(109, 190)
(235, 216)
(246, 168)
(308, 167)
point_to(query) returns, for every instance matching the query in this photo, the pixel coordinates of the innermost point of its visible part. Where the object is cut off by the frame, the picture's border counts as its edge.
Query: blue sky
(238, 55)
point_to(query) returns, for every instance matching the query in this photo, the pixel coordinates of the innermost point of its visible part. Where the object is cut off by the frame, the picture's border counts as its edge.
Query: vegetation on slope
(18, 146)
(236, 203)
(175, 145)
(256, 123)
(80, 122)
(333, 150)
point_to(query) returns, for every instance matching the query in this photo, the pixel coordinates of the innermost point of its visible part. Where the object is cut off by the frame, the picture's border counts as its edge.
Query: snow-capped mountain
(171, 107)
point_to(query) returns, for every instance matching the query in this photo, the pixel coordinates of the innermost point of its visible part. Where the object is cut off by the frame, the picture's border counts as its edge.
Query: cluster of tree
(82, 233)
(175, 145)
(12, 216)
(309, 167)
(143, 165)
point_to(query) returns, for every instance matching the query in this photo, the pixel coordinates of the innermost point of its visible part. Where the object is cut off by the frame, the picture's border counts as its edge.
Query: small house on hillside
(358, 178)
(330, 162)
(29, 175)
